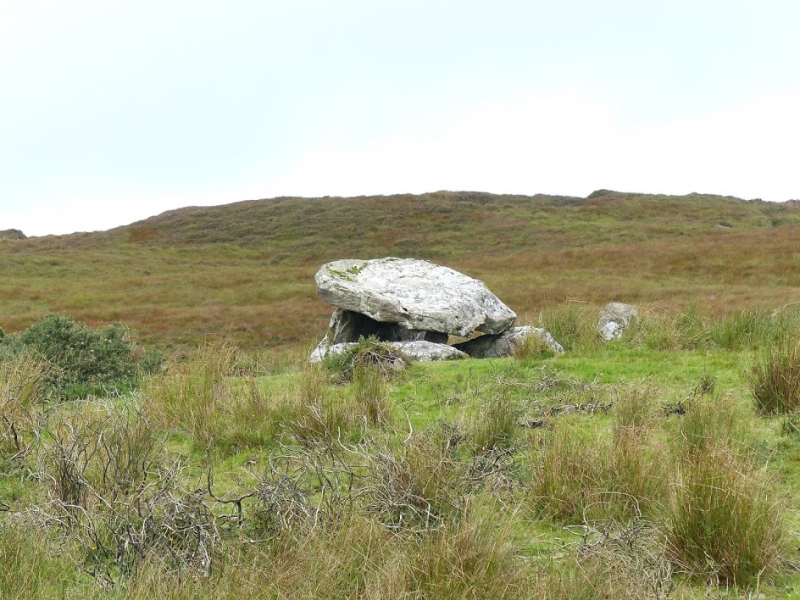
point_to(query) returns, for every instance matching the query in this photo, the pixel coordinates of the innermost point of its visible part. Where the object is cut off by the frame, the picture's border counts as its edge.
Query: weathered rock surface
(614, 320)
(504, 344)
(416, 294)
(418, 350)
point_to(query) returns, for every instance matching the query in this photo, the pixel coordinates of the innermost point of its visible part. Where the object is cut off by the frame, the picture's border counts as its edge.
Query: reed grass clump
(495, 426)
(775, 378)
(724, 519)
(21, 401)
(194, 397)
(371, 395)
(320, 415)
(573, 325)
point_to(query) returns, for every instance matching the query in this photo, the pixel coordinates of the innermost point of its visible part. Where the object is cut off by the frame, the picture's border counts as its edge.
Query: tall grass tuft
(569, 472)
(746, 329)
(572, 325)
(195, 397)
(21, 386)
(320, 416)
(711, 421)
(635, 474)
(495, 425)
(775, 378)
(470, 558)
(724, 519)
(371, 395)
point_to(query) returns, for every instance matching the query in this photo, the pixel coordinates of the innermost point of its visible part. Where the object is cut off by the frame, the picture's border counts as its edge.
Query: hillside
(245, 270)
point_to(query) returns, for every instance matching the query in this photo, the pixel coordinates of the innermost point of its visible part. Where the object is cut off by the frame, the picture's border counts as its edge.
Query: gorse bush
(81, 361)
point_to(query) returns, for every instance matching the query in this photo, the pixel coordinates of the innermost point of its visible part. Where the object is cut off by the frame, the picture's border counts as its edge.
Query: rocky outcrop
(418, 350)
(504, 344)
(12, 234)
(415, 294)
(614, 319)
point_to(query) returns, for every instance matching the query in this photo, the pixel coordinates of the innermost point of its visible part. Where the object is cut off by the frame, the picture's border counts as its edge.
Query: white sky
(111, 112)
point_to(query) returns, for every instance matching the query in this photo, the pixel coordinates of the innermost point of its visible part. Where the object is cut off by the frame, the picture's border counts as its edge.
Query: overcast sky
(111, 112)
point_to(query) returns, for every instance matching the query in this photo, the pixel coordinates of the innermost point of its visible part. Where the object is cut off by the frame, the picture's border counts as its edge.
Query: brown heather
(244, 272)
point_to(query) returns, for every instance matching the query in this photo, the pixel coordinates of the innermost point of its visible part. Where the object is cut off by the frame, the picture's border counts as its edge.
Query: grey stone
(416, 294)
(504, 344)
(614, 319)
(418, 350)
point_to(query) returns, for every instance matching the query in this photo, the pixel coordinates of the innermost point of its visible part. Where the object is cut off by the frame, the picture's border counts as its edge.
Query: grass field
(662, 465)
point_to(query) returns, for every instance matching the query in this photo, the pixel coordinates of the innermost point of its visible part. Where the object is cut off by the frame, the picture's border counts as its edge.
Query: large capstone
(415, 294)
(504, 344)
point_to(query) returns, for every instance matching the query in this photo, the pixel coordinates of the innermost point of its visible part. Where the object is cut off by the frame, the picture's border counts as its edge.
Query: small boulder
(418, 350)
(504, 344)
(415, 294)
(615, 319)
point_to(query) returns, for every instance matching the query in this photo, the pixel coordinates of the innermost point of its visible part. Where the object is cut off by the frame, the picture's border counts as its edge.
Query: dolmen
(416, 305)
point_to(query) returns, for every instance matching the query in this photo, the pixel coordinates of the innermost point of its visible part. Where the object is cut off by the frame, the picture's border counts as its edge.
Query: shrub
(775, 378)
(82, 361)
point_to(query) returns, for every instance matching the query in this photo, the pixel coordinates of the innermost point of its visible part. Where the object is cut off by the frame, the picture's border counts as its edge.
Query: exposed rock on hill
(415, 294)
(12, 234)
(614, 319)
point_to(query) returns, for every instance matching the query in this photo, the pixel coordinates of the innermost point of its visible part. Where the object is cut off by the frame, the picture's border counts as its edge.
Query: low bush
(81, 361)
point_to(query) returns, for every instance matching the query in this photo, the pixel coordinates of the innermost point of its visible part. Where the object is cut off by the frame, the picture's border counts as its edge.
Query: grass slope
(245, 271)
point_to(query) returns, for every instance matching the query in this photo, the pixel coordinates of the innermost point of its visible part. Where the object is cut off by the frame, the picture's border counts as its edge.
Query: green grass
(578, 475)
(640, 468)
